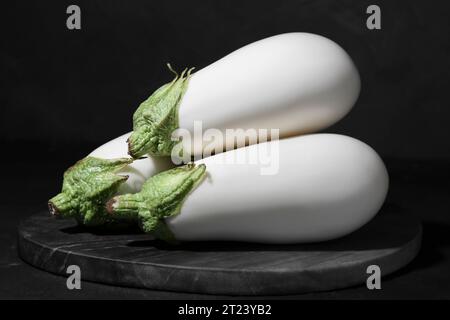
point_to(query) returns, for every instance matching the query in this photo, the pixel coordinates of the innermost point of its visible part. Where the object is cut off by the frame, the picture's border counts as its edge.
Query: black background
(64, 92)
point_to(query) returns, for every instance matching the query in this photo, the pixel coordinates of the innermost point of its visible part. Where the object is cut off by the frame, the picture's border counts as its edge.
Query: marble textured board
(391, 240)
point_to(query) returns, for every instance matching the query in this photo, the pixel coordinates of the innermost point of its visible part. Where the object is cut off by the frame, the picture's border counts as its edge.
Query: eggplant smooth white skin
(327, 186)
(295, 82)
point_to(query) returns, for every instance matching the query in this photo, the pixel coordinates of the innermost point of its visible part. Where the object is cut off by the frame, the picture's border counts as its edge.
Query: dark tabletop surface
(418, 187)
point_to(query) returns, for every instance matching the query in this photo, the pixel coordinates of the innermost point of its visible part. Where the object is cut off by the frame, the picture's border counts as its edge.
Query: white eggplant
(326, 186)
(295, 82)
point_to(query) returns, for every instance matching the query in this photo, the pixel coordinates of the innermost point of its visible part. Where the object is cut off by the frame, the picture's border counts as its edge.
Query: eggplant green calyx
(157, 117)
(161, 196)
(87, 186)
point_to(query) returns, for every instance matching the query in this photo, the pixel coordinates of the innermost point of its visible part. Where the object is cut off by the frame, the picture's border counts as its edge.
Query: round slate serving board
(390, 240)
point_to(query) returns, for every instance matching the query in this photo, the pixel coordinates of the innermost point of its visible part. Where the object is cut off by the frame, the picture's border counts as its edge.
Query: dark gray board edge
(224, 282)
